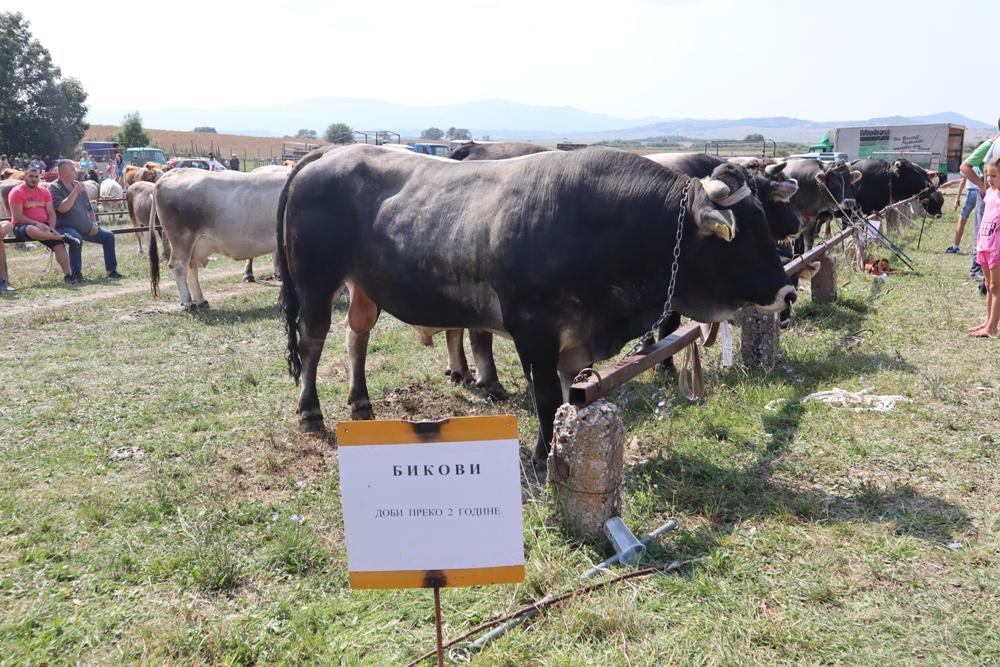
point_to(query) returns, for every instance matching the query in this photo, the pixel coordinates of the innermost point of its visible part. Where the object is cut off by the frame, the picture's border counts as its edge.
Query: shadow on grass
(844, 314)
(726, 496)
(214, 316)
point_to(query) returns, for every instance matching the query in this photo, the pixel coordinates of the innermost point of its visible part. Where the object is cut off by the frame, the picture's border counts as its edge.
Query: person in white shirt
(215, 164)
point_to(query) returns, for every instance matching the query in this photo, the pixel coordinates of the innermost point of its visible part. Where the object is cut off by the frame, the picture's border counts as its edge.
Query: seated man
(5, 229)
(76, 219)
(35, 219)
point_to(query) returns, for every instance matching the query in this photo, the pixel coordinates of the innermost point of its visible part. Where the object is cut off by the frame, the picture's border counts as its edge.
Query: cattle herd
(568, 254)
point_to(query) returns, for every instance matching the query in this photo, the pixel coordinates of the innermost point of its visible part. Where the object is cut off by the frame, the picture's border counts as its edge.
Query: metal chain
(647, 338)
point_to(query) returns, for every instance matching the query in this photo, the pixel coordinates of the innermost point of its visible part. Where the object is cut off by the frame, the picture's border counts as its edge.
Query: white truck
(937, 146)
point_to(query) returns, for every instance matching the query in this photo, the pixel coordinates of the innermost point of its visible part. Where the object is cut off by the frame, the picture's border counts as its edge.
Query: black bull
(883, 183)
(562, 252)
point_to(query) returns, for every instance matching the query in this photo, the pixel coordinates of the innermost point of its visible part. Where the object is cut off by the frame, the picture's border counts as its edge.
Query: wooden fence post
(758, 338)
(824, 281)
(586, 465)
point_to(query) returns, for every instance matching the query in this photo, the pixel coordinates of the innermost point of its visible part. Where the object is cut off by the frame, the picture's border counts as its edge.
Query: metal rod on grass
(531, 613)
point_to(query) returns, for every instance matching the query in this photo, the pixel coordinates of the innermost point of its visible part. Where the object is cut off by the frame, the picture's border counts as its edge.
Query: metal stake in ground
(437, 625)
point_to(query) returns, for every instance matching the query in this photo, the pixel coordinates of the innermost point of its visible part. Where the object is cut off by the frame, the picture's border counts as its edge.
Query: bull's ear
(896, 166)
(719, 222)
(783, 190)
(821, 177)
(856, 176)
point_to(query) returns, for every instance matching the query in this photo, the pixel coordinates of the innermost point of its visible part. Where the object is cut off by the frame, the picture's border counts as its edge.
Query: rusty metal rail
(601, 383)
(818, 250)
(123, 230)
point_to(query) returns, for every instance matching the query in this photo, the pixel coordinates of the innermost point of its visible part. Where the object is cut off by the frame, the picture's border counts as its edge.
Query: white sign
(431, 503)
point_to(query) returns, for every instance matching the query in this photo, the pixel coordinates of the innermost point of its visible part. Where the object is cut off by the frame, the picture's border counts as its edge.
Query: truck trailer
(935, 146)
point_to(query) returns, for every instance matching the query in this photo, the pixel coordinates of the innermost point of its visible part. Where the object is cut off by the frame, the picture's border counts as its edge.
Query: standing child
(988, 251)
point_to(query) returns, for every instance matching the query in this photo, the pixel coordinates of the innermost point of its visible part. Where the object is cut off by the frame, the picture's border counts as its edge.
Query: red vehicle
(52, 175)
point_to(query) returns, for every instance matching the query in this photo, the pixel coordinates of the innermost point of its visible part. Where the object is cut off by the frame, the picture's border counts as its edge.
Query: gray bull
(823, 190)
(202, 213)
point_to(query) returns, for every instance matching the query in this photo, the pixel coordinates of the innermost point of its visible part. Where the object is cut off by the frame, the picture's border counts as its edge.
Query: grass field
(200, 143)
(828, 537)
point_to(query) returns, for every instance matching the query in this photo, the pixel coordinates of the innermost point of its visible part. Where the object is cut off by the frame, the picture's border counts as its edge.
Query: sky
(829, 60)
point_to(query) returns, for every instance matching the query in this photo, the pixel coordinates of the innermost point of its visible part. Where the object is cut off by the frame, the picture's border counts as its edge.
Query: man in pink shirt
(35, 219)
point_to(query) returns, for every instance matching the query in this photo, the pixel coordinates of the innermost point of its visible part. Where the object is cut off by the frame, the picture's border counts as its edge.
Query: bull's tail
(154, 253)
(288, 300)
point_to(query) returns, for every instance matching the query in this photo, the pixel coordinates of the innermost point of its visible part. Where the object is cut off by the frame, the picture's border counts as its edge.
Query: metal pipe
(627, 547)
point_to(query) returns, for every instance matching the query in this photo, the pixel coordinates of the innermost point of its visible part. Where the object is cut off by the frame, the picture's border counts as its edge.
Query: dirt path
(45, 305)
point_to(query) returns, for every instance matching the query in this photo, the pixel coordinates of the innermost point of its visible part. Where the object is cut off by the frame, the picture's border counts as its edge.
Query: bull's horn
(717, 190)
(775, 169)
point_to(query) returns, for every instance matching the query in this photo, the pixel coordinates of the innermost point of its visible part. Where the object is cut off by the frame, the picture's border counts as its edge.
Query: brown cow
(11, 173)
(134, 174)
(129, 175)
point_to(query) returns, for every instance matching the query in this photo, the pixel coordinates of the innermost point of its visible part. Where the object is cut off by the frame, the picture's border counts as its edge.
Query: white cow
(230, 213)
(110, 189)
(92, 189)
(273, 169)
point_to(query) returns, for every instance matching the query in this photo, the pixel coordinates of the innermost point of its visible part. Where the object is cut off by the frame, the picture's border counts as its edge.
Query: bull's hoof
(493, 389)
(362, 411)
(784, 323)
(311, 421)
(458, 377)
(249, 278)
(189, 307)
(202, 306)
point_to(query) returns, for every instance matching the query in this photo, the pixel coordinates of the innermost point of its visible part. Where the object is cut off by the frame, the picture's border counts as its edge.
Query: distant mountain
(484, 117)
(952, 117)
(496, 118)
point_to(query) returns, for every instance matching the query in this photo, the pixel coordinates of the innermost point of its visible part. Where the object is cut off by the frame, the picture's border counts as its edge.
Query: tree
(131, 134)
(432, 133)
(42, 112)
(339, 133)
(205, 128)
(306, 134)
(458, 134)
(754, 137)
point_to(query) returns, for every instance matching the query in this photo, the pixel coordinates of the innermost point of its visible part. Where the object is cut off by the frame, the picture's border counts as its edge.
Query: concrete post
(758, 338)
(824, 281)
(585, 466)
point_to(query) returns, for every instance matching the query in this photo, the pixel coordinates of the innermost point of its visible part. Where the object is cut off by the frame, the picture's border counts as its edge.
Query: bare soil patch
(267, 470)
(111, 293)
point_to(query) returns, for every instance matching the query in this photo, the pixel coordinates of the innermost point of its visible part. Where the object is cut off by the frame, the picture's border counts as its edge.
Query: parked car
(193, 162)
(140, 156)
(821, 156)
